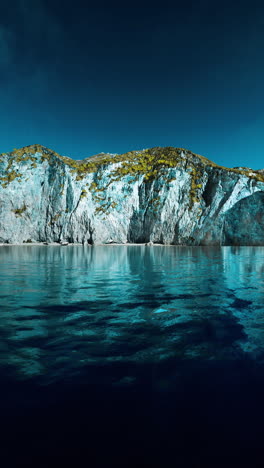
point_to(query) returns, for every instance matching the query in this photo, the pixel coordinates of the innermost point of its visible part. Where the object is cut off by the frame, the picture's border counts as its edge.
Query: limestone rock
(160, 196)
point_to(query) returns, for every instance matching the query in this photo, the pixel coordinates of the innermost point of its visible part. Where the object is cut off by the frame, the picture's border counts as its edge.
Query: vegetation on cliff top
(146, 165)
(151, 163)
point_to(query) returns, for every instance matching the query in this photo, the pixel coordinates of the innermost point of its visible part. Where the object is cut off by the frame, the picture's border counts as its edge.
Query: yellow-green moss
(83, 193)
(10, 176)
(150, 163)
(20, 211)
(196, 175)
(104, 208)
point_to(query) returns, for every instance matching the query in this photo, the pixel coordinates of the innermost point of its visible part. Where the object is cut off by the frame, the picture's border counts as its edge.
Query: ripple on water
(61, 311)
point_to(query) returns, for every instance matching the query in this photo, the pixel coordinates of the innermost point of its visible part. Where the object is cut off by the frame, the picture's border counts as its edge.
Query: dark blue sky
(82, 79)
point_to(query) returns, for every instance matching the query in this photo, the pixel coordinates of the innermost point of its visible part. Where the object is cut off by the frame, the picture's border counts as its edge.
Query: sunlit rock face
(161, 195)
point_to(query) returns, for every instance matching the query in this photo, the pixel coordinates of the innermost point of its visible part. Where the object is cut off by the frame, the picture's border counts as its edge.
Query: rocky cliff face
(163, 195)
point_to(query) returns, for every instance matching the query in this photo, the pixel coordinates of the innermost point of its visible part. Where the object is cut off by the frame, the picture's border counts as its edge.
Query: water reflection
(65, 309)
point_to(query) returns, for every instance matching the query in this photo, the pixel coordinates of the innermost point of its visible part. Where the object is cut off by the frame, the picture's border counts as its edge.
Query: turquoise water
(155, 352)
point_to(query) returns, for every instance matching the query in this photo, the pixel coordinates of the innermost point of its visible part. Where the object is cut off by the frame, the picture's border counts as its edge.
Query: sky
(113, 77)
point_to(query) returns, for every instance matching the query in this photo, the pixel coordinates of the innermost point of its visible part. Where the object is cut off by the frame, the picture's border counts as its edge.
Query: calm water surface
(132, 356)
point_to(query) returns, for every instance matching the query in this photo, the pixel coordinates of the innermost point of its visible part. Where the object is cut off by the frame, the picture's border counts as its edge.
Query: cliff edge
(160, 195)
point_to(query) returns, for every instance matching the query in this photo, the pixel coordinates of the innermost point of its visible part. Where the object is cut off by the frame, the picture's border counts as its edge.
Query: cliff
(164, 195)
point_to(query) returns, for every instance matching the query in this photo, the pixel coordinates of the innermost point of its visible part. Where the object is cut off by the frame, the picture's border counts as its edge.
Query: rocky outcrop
(160, 195)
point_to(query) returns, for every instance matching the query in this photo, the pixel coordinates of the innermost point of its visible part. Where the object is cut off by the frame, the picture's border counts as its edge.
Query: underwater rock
(155, 196)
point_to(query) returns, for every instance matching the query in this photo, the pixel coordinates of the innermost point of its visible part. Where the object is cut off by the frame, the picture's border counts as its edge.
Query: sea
(141, 356)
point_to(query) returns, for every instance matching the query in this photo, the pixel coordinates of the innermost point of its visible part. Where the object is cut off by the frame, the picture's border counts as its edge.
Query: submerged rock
(156, 196)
